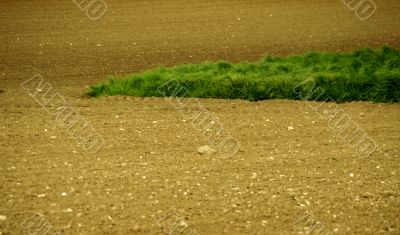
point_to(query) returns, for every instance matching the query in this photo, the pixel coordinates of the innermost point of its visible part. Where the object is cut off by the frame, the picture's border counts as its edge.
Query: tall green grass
(368, 75)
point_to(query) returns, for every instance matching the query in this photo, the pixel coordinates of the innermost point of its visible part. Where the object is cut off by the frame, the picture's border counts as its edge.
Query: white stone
(206, 150)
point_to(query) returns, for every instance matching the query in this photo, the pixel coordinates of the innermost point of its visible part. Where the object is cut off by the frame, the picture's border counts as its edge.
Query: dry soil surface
(293, 173)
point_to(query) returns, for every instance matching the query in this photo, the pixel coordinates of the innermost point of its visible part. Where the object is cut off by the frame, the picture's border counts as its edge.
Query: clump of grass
(366, 75)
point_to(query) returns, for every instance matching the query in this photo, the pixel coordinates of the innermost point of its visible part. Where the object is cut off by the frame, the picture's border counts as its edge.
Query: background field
(150, 157)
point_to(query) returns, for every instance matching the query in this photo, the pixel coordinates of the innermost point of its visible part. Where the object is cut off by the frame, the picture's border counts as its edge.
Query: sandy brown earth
(148, 177)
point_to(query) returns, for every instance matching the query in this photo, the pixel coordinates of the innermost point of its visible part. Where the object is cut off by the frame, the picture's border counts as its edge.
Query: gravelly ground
(281, 181)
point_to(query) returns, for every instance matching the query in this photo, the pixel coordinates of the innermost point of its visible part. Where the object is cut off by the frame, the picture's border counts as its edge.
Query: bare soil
(149, 166)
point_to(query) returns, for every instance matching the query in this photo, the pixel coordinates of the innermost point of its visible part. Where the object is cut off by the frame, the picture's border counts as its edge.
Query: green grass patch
(367, 75)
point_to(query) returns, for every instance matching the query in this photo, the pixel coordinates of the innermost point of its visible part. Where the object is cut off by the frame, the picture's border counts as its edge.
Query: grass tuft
(363, 75)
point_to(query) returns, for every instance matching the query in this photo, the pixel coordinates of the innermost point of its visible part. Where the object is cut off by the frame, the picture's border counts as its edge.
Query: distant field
(366, 75)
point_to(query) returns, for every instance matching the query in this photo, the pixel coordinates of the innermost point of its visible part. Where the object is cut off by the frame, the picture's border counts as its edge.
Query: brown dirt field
(149, 166)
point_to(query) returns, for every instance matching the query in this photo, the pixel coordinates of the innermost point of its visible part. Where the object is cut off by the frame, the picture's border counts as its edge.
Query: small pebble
(69, 210)
(264, 223)
(206, 150)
